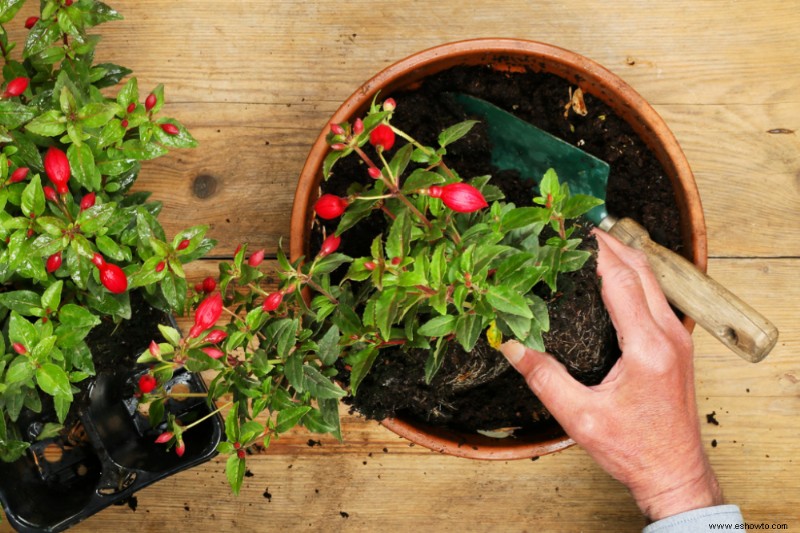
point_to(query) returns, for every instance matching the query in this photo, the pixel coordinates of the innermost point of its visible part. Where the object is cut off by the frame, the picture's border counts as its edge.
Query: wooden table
(256, 80)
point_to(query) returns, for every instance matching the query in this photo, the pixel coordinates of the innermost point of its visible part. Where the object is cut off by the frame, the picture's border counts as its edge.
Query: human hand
(640, 424)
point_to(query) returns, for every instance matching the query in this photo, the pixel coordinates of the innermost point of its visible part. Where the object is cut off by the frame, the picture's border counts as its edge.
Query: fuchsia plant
(453, 263)
(74, 241)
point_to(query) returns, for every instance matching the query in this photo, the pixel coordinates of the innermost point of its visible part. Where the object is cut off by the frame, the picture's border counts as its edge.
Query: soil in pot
(478, 391)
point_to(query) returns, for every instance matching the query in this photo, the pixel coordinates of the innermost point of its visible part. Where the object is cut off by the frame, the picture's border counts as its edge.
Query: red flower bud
(19, 348)
(256, 258)
(329, 245)
(330, 206)
(88, 201)
(170, 129)
(150, 102)
(67, 3)
(50, 193)
(98, 261)
(147, 383)
(389, 104)
(338, 146)
(56, 165)
(164, 437)
(16, 87)
(240, 454)
(374, 173)
(198, 287)
(113, 278)
(180, 448)
(30, 22)
(215, 336)
(336, 129)
(62, 188)
(460, 197)
(183, 244)
(53, 262)
(160, 266)
(207, 314)
(155, 350)
(272, 302)
(131, 107)
(382, 137)
(358, 126)
(396, 261)
(209, 284)
(124, 123)
(18, 175)
(212, 352)
(369, 265)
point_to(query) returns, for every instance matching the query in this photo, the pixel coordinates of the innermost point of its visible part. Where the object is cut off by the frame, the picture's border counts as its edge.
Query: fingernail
(513, 351)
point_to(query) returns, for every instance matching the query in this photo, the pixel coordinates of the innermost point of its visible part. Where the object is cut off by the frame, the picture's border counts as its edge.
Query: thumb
(563, 396)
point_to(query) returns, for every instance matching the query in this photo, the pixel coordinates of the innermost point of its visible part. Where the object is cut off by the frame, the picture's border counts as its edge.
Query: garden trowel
(523, 147)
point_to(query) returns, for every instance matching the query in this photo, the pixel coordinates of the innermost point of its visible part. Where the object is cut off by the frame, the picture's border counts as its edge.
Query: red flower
(150, 102)
(460, 197)
(330, 206)
(98, 261)
(50, 193)
(170, 129)
(30, 22)
(16, 87)
(212, 352)
(19, 348)
(53, 262)
(113, 278)
(209, 284)
(272, 302)
(147, 383)
(329, 245)
(164, 437)
(88, 201)
(207, 314)
(215, 336)
(382, 137)
(56, 165)
(18, 175)
(183, 244)
(256, 258)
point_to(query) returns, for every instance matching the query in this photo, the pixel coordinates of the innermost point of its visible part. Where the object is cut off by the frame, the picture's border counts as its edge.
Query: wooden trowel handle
(723, 314)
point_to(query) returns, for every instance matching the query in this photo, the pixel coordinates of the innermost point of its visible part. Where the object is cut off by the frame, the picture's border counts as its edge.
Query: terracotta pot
(513, 55)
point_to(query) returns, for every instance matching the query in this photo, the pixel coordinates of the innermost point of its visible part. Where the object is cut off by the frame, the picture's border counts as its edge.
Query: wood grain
(256, 80)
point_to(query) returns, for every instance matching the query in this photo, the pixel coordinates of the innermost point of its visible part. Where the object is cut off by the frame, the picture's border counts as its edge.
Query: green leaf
(421, 179)
(44, 350)
(386, 308)
(549, 184)
(320, 386)
(137, 149)
(20, 370)
(53, 380)
(75, 316)
(578, 204)
(234, 471)
(183, 139)
(455, 132)
(48, 124)
(329, 349)
(14, 114)
(112, 74)
(360, 363)
(22, 331)
(293, 369)
(129, 94)
(438, 326)
(524, 216)
(97, 114)
(434, 361)
(468, 330)
(505, 299)
(398, 241)
(81, 162)
(41, 36)
(232, 423)
(9, 8)
(33, 197)
(51, 298)
(95, 218)
(27, 303)
(400, 160)
(290, 417)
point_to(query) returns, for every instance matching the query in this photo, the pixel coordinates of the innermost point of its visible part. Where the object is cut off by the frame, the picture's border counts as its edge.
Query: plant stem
(313, 284)
(209, 415)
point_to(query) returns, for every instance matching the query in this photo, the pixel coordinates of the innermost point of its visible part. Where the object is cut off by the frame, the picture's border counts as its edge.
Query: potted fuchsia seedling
(84, 263)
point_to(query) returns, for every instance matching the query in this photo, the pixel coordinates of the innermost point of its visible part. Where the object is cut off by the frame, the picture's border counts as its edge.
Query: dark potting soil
(478, 390)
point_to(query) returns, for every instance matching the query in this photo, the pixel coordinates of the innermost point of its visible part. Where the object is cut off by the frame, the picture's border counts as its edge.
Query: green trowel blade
(521, 146)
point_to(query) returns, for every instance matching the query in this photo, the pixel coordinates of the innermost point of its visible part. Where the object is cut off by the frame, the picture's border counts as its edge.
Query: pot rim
(514, 54)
